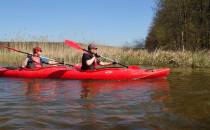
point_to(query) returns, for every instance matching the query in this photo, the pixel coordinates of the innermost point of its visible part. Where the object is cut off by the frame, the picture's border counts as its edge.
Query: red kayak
(63, 72)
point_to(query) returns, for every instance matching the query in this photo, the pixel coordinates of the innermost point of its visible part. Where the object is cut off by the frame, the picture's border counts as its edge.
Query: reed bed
(59, 51)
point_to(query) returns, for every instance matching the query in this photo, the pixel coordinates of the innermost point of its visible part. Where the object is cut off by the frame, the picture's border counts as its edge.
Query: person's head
(37, 51)
(92, 47)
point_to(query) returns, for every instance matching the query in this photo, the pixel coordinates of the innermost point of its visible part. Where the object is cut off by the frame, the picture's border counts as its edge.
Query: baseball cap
(92, 46)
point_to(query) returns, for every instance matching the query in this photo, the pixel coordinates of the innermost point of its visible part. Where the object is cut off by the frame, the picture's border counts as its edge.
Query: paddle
(77, 46)
(9, 48)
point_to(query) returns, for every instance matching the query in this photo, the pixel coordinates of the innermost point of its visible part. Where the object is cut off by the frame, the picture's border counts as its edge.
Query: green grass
(60, 51)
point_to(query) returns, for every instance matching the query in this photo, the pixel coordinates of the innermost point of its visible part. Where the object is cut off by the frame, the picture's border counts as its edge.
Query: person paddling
(35, 61)
(90, 59)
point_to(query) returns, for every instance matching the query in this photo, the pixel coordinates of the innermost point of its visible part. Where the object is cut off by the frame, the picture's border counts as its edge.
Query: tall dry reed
(127, 56)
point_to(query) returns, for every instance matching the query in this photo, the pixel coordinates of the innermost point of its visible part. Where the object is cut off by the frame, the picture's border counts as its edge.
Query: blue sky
(111, 22)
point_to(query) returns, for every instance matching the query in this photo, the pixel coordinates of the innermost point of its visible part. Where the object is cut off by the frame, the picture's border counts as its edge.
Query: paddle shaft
(15, 50)
(31, 55)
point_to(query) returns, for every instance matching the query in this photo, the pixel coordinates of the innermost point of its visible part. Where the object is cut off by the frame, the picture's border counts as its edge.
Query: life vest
(34, 62)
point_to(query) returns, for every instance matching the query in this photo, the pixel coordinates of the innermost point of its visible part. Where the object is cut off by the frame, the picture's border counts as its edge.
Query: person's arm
(25, 62)
(45, 60)
(105, 63)
(90, 61)
(52, 62)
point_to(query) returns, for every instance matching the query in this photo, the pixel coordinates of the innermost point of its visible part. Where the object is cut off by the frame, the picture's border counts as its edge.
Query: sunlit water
(181, 102)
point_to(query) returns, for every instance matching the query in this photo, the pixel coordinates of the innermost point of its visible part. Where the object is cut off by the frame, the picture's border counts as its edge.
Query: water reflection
(90, 89)
(93, 104)
(50, 90)
(40, 90)
(123, 103)
(139, 90)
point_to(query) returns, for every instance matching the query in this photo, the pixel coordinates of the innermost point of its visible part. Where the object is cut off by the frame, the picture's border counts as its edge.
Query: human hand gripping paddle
(9, 48)
(77, 46)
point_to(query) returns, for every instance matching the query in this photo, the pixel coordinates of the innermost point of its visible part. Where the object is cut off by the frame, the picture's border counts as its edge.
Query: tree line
(180, 24)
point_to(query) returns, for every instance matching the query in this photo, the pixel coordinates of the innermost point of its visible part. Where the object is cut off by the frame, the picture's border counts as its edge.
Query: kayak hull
(63, 72)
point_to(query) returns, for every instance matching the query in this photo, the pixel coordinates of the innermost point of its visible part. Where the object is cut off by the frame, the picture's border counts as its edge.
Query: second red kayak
(63, 72)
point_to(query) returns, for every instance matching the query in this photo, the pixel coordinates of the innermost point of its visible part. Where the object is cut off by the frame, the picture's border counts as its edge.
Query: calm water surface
(181, 102)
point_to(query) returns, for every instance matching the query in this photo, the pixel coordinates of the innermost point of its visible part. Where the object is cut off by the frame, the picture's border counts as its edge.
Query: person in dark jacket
(90, 59)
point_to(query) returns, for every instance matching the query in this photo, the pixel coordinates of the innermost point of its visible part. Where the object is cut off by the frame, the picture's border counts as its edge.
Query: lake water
(181, 102)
